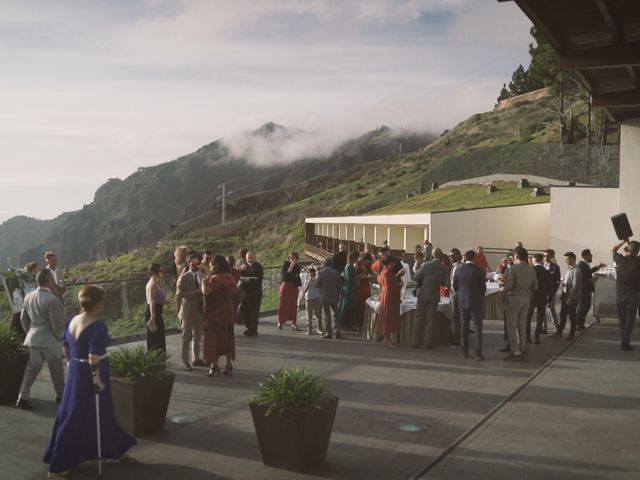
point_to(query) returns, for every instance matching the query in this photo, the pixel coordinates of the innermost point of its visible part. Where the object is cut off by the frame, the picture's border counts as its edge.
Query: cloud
(93, 90)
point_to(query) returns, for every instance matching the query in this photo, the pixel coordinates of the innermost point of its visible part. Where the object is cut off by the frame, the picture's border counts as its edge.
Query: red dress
(363, 292)
(220, 309)
(389, 317)
(481, 261)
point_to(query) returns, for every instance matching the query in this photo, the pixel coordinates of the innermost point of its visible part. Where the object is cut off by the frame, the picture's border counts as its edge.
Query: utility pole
(223, 217)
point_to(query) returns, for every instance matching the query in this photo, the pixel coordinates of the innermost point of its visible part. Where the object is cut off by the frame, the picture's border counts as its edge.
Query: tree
(504, 93)
(518, 83)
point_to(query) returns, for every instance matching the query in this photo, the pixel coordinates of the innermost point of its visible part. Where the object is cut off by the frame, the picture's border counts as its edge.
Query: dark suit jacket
(541, 296)
(339, 261)
(468, 281)
(586, 287)
(253, 287)
(556, 278)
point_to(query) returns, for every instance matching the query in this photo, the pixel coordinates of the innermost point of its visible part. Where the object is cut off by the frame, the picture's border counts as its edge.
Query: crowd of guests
(214, 293)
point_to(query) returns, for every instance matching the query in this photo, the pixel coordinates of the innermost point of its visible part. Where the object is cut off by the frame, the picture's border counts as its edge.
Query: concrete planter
(141, 407)
(11, 372)
(298, 439)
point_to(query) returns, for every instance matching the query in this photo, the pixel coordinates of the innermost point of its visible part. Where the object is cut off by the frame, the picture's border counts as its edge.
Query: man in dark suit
(586, 287)
(539, 299)
(431, 276)
(468, 281)
(329, 284)
(251, 275)
(556, 279)
(340, 258)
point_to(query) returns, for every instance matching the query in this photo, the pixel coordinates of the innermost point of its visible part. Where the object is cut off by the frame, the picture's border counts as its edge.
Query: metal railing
(125, 301)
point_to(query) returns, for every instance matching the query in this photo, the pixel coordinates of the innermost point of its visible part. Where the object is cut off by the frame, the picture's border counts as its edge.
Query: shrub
(138, 364)
(292, 388)
(10, 341)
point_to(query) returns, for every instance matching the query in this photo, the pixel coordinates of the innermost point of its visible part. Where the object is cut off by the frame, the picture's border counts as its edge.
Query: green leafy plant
(292, 388)
(10, 341)
(138, 364)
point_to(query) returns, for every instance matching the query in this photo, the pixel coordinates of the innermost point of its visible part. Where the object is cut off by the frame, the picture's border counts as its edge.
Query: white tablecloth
(409, 302)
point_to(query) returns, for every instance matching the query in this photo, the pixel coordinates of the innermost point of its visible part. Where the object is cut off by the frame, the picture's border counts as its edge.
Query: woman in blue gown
(74, 433)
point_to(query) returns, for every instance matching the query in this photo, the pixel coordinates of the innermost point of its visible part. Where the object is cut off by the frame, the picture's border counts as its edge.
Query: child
(312, 299)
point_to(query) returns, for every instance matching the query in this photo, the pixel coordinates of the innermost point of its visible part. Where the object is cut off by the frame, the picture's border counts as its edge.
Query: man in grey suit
(570, 297)
(43, 320)
(191, 312)
(431, 276)
(329, 285)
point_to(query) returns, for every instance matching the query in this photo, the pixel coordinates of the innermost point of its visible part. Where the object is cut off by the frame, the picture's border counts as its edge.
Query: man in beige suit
(191, 312)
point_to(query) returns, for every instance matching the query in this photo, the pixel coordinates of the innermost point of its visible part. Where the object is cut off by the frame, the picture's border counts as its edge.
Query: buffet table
(494, 310)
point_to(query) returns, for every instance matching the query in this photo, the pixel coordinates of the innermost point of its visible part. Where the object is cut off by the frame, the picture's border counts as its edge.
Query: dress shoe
(199, 363)
(505, 349)
(569, 337)
(326, 335)
(295, 328)
(319, 331)
(581, 327)
(514, 358)
(479, 358)
(24, 404)
(279, 326)
(252, 334)
(626, 347)
(246, 332)
(558, 334)
(187, 367)
(415, 345)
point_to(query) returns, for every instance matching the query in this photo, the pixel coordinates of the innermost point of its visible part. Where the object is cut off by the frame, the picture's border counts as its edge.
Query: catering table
(442, 332)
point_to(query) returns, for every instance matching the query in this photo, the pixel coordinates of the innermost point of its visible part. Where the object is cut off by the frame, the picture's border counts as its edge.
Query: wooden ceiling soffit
(605, 57)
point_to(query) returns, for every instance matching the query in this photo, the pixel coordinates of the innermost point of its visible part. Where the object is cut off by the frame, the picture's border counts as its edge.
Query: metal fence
(125, 301)
(592, 164)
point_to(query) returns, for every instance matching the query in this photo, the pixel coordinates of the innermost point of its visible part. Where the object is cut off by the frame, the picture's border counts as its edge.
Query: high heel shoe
(228, 369)
(214, 371)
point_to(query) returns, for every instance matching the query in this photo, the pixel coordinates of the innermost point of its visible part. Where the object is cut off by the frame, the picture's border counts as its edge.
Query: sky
(92, 90)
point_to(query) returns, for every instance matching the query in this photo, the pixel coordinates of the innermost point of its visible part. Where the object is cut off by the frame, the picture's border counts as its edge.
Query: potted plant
(293, 413)
(141, 385)
(13, 361)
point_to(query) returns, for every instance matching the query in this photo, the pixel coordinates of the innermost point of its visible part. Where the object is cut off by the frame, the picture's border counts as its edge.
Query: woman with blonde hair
(73, 440)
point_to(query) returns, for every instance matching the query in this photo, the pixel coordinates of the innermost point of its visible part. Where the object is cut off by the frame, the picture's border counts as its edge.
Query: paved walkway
(378, 388)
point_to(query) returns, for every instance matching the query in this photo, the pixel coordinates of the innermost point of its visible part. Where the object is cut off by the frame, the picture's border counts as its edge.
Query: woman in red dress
(289, 289)
(389, 317)
(220, 309)
(363, 271)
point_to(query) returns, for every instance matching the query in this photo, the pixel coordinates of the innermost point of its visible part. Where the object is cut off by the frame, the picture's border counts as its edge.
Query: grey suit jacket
(43, 319)
(329, 284)
(572, 285)
(58, 287)
(191, 302)
(431, 276)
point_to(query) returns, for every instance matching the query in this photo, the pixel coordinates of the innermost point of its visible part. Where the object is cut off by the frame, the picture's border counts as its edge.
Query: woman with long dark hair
(155, 304)
(289, 289)
(220, 310)
(389, 317)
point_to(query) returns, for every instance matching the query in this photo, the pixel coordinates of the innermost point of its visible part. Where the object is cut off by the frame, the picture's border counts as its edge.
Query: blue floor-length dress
(74, 440)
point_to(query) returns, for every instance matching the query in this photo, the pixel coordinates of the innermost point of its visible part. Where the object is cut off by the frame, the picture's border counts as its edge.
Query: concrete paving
(378, 388)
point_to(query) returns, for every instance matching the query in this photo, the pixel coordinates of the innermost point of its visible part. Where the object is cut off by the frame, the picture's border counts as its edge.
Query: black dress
(156, 340)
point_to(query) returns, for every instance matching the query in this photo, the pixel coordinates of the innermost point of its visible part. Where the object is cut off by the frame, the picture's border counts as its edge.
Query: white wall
(630, 173)
(581, 218)
(500, 227)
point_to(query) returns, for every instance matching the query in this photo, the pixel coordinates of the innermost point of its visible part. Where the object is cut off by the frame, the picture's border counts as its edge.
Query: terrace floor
(570, 411)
